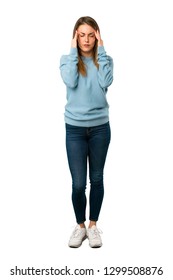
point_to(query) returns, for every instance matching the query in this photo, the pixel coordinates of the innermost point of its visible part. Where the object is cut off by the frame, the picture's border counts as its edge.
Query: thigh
(77, 150)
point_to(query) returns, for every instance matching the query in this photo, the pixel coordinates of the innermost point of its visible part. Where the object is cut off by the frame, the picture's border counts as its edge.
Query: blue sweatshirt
(87, 105)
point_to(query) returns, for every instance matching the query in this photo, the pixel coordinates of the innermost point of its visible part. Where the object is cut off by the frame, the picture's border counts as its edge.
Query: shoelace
(76, 232)
(96, 232)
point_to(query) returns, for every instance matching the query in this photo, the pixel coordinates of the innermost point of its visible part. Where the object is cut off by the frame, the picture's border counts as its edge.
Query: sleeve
(68, 68)
(105, 72)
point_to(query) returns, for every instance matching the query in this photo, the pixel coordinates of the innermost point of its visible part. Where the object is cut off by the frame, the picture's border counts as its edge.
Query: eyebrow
(92, 33)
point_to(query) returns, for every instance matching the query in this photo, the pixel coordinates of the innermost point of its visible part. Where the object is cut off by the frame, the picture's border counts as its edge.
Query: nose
(86, 38)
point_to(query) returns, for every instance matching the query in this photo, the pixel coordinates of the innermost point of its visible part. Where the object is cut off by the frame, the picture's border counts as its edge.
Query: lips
(86, 45)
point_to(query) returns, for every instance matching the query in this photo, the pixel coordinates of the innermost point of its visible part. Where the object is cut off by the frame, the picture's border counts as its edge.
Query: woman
(87, 73)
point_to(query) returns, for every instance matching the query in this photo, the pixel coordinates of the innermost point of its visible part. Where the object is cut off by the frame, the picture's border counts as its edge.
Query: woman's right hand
(74, 40)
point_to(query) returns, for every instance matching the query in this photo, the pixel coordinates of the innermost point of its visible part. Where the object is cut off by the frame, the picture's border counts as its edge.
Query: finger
(96, 34)
(76, 35)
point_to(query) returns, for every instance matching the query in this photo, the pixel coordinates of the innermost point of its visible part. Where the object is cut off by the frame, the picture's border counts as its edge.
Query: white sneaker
(94, 237)
(77, 237)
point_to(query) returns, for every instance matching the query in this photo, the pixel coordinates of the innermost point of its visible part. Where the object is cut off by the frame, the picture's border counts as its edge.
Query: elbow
(106, 83)
(105, 78)
(71, 84)
(109, 82)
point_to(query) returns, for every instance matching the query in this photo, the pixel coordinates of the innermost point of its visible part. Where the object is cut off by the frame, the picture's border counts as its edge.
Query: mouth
(86, 45)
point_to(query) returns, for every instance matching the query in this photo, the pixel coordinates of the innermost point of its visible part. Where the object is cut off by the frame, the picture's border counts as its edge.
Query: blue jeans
(87, 144)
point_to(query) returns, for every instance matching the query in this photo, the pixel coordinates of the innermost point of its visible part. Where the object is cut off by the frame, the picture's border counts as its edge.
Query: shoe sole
(96, 247)
(75, 247)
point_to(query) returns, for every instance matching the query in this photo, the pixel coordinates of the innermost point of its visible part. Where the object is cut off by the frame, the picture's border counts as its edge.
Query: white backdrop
(36, 211)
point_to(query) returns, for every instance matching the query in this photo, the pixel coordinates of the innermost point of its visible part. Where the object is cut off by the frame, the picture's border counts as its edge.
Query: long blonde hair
(90, 21)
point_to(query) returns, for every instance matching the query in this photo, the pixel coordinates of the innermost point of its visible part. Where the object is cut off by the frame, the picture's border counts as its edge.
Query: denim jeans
(87, 146)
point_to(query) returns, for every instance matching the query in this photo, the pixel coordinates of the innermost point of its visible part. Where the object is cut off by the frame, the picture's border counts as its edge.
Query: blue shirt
(86, 95)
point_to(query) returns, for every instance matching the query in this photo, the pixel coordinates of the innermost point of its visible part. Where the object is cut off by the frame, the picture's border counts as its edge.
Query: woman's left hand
(98, 37)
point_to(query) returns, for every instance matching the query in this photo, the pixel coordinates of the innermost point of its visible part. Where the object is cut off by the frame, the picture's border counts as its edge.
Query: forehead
(85, 28)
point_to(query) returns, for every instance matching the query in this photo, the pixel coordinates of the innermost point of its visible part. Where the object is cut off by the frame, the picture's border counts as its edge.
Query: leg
(98, 147)
(77, 150)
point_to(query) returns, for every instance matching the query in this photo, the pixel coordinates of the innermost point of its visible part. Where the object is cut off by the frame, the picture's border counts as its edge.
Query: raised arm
(105, 72)
(68, 65)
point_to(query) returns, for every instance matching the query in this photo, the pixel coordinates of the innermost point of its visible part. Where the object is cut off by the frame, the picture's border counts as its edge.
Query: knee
(78, 187)
(96, 178)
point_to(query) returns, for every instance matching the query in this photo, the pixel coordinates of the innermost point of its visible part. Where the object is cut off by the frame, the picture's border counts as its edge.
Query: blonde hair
(90, 21)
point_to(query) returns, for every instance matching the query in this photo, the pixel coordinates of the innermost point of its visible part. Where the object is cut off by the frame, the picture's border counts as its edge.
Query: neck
(87, 54)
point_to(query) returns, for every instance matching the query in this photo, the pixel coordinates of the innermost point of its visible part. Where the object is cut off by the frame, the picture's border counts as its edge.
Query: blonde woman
(87, 73)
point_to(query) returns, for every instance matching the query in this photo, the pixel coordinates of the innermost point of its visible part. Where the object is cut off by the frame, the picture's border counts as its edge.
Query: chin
(86, 49)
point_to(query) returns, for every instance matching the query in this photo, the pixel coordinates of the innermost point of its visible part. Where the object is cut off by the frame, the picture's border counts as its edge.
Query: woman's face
(86, 39)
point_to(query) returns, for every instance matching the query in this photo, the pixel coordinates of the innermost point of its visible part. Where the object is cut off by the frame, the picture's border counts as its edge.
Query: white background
(36, 212)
